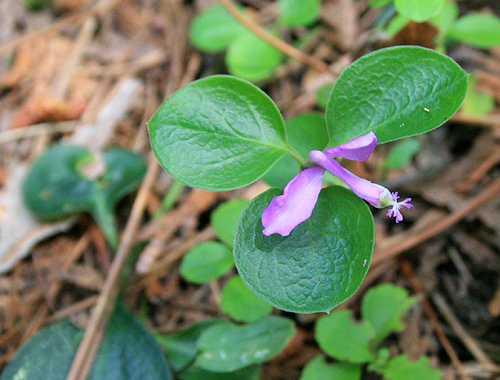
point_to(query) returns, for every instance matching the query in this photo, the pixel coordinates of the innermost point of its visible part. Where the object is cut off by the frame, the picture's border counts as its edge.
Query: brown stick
(491, 192)
(408, 270)
(281, 45)
(102, 311)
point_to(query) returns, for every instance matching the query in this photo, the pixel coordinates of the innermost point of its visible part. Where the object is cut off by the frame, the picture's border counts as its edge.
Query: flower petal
(287, 211)
(358, 149)
(370, 192)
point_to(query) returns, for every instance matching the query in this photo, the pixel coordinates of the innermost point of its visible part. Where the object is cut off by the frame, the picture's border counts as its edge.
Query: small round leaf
(319, 265)
(206, 262)
(225, 219)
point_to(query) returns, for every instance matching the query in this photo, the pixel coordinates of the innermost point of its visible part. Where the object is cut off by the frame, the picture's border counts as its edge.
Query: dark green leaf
(319, 265)
(181, 346)
(227, 348)
(225, 219)
(218, 133)
(206, 262)
(339, 336)
(55, 186)
(241, 303)
(48, 355)
(214, 29)
(395, 92)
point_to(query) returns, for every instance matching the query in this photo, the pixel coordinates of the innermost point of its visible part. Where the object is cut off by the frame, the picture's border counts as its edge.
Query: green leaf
(319, 369)
(206, 262)
(395, 25)
(218, 133)
(477, 29)
(395, 92)
(402, 153)
(225, 219)
(339, 336)
(379, 3)
(299, 12)
(127, 352)
(55, 186)
(418, 10)
(196, 373)
(131, 349)
(48, 355)
(227, 348)
(383, 307)
(477, 103)
(181, 346)
(241, 303)
(251, 58)
(323, 94)
(305, 133)
(400, 368)
(319, 265)
(214, 29)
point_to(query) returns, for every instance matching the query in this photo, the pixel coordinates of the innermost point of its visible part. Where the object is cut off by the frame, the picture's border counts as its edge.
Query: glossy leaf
(197, 373)
(305, 132)
(227, 348)
(251, 58)
(55, 186)
(319, 265)
(477, 29)
(400, 368)
(241, 303)
(319, 369)
(214, 29)
(299, 12)
(395, 92)
(49, 354)
(383, 307)
(218, 133)
(225, 219)
(206, 262)
(181, 346)
(339, 336)
(142, 359)
(418, 10)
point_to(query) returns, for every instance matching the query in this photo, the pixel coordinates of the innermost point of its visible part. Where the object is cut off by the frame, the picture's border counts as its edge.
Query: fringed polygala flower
(287, 211)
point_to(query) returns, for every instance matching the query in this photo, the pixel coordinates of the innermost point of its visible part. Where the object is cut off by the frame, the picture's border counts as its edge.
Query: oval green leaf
(218, 133)
(319, 265)
(401, 368)
(299, 12)
(229, 347)
(251, 58)
(225, 219)
(477, 29)
(395, 92)
(241, 303)
(206, 262)
(418, 10)
(214, 29)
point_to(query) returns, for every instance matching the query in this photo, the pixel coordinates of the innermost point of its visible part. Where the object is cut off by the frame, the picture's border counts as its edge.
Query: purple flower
(287, 211)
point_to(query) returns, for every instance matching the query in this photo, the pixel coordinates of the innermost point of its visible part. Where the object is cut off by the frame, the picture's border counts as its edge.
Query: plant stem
(170, 198)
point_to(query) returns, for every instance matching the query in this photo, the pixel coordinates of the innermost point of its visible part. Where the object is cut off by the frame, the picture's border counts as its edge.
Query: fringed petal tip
(396, 206)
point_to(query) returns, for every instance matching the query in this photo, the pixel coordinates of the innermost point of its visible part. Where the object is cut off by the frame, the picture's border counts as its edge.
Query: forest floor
(63, 66)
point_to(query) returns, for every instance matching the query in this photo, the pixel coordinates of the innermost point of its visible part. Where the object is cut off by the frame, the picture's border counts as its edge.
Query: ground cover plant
(230, 189)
